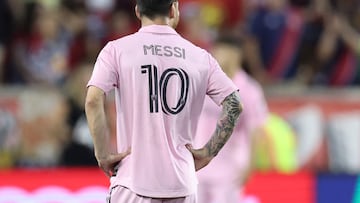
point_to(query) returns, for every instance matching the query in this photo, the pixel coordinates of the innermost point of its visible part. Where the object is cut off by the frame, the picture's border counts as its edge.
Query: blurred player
(160, 82)
(222, 179)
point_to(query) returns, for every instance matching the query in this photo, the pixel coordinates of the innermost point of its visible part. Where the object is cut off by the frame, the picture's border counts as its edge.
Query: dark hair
(229, 39)
(152, 8)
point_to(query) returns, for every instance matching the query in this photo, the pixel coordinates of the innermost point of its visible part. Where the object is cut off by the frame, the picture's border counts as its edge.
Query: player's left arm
(96, 117)
(231, 109)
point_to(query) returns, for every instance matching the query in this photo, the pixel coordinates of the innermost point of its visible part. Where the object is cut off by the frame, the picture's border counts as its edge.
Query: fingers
(201, 157)
(197, 153)
(108, 165)
(118, 157)
(189, 147)
(115, 159)
(106, 171)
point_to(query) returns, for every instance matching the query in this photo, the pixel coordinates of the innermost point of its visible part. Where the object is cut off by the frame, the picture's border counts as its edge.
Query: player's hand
(108, 163)
(201, 156)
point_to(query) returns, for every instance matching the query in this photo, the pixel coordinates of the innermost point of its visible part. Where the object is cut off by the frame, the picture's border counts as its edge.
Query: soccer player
(160, 81)
(222, 179)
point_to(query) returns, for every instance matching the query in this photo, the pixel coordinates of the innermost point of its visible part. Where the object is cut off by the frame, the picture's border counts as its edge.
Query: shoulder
(245, 81)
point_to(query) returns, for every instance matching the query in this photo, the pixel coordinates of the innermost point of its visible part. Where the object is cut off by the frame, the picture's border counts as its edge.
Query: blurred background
(304, 53)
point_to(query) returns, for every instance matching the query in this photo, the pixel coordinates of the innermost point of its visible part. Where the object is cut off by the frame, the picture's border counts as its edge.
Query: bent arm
(231, 110)
(96, 117)
(225, 125)
(350, 36)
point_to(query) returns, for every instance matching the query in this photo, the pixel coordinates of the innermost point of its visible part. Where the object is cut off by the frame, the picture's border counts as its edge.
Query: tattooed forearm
(230, 113)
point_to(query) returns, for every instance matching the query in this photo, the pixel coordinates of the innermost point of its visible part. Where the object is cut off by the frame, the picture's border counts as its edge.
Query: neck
(145, 21)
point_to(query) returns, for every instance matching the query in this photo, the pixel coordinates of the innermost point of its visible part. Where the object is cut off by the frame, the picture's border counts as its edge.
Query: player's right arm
(96, 117)
(231, 109)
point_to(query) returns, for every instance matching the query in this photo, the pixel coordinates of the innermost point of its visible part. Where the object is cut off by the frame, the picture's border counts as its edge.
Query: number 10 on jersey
(158, 89)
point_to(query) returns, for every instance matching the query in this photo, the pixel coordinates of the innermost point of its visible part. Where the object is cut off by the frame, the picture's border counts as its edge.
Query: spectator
(272, 44)
(41, 54)
(75, 13)
(337, 54)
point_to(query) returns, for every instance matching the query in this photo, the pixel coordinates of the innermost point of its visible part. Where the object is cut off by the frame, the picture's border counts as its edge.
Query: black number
(164, 80)
(154, 86)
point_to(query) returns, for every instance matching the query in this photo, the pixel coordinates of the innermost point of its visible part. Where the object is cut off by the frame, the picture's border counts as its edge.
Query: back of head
(153, 8)
(229, 40)
(227, 51)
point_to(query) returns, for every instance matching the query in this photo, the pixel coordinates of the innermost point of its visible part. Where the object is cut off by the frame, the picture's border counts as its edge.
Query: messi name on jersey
(167, 51)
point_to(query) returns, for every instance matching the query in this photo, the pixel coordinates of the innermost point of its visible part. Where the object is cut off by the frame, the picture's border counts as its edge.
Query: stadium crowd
(48, 48)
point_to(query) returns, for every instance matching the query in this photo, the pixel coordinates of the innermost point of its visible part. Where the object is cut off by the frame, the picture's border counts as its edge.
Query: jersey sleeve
(219, 84)
(104, 75)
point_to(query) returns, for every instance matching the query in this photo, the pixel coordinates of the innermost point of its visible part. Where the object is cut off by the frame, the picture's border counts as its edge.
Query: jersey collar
(158, 29)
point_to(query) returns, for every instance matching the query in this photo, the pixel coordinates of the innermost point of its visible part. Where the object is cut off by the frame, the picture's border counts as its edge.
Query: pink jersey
(160, 82)
(233, 158)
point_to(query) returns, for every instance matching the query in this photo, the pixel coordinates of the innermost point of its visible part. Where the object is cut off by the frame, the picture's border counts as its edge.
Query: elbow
(94, 101)
(233, 106)
(91, 103)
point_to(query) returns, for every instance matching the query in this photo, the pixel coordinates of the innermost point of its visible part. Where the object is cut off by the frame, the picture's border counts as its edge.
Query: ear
(174, 14)
(137, 12)
(173, 10)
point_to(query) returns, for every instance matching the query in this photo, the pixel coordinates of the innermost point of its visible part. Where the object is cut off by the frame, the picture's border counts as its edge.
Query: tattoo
(230, 113)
